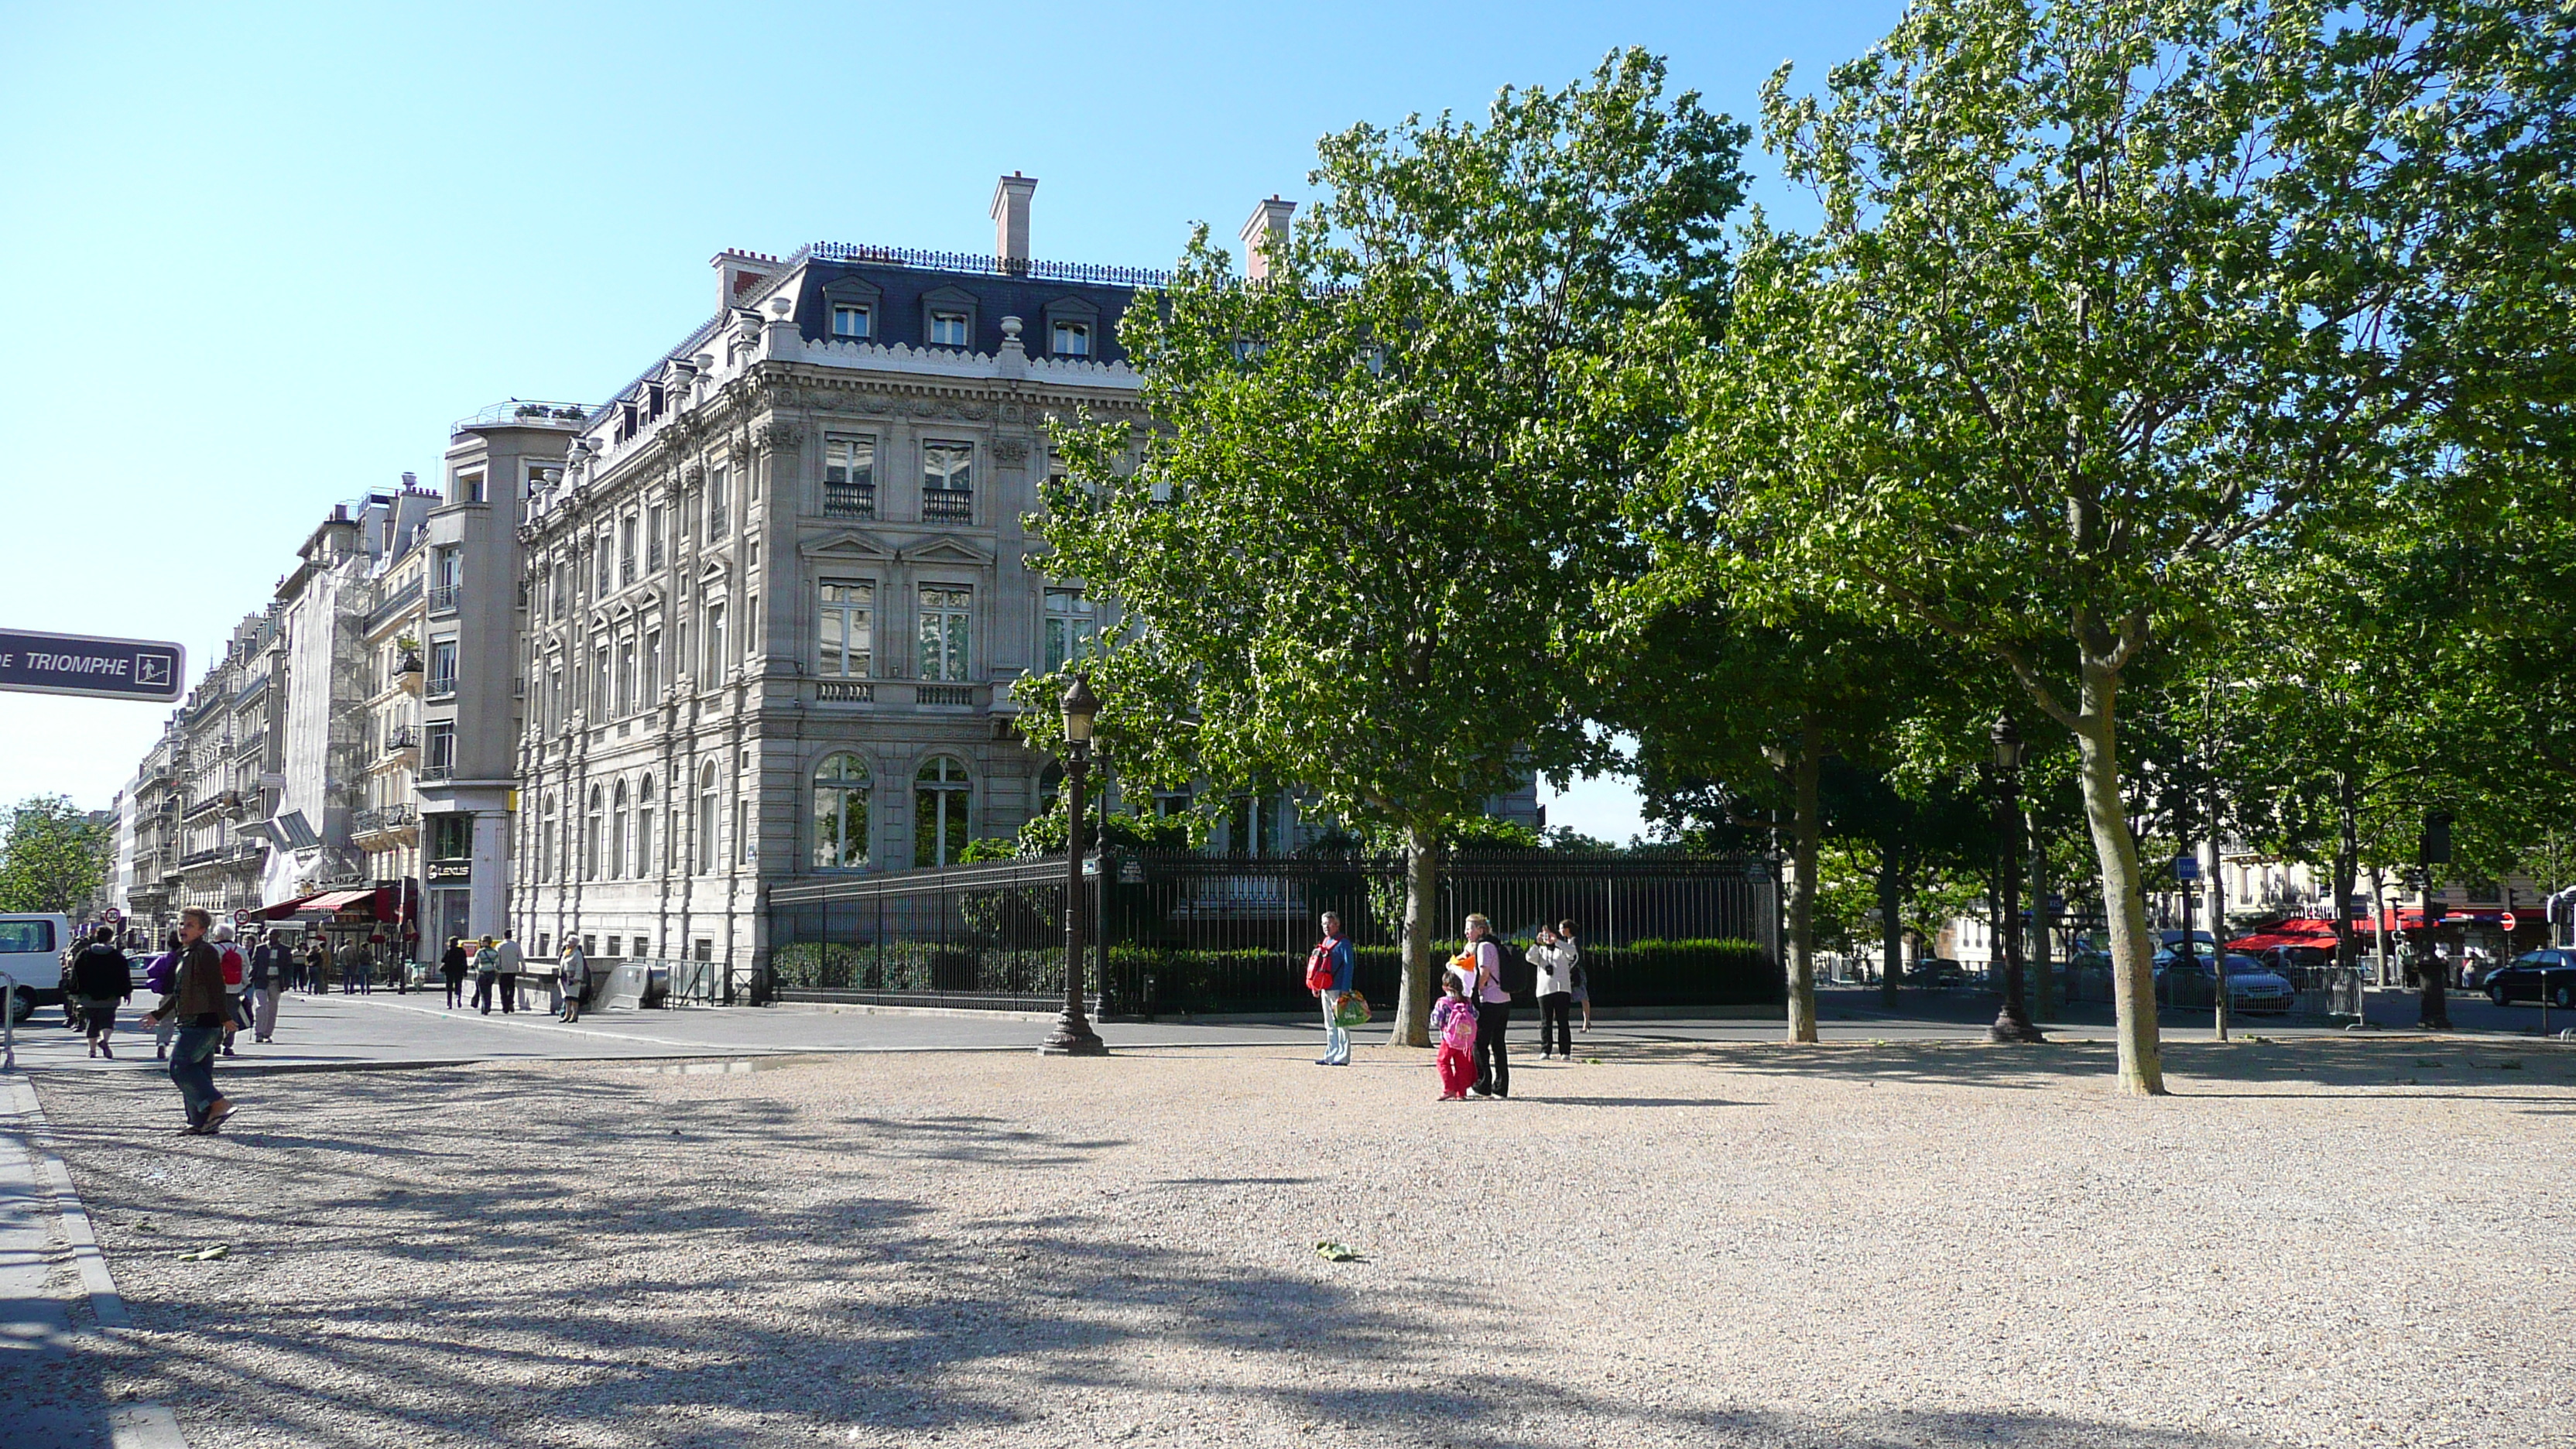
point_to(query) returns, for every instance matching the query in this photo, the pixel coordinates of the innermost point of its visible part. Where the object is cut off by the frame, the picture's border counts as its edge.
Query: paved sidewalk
(58, 1306)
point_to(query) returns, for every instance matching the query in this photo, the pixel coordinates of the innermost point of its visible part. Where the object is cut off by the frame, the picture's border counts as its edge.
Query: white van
(31, 957)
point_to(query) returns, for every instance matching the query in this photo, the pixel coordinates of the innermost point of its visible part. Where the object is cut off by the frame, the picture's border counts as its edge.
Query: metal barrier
(1181, 932)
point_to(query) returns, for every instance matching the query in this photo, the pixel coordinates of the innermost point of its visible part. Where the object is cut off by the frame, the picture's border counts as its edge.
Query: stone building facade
(474, 626)
(779, 598)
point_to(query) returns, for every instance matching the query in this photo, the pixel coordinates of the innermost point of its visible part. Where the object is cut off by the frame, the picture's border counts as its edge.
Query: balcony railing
(527, 414)
(442, 598)
(394, 603)
(849, 500)
(848, 691)
(442, 685)
(402, 738)
(944, 694)
(383, 818)
(438, 770)
(947, 505)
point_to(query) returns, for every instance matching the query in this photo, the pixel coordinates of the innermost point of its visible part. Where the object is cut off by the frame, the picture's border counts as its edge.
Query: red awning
(2266, 940)
(282, 909)
(337, 900)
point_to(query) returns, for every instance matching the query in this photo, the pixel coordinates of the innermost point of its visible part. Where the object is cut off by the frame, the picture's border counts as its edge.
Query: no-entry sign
(139, 669)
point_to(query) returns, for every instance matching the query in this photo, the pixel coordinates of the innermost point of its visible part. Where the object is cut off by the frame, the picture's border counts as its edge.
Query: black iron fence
(1186, 933)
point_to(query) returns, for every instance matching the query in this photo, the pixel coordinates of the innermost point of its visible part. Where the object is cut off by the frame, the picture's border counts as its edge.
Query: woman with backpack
(1480, 970)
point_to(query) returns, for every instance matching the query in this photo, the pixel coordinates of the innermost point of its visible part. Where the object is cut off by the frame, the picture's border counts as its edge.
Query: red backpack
(1319, 967)
(232, 966)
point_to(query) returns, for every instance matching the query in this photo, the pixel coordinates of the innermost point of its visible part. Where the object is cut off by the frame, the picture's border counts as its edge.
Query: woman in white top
(1481, 967)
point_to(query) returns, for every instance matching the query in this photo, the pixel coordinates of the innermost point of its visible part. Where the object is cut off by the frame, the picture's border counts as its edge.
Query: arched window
(546, 840)
(598, 826)
(644, 863)
(841, 813)
(941, 795)
(707, 818)
(617, 834)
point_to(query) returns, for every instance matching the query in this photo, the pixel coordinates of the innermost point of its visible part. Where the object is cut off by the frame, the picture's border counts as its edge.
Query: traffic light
(2437, 837)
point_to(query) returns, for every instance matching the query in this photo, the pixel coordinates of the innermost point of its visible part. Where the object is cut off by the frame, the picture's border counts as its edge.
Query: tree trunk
(2378, 928)
(2347, 865)
(2043, 974)
(1804, 832)
(1891, 925)
(2124, 906)
(1412, 1025)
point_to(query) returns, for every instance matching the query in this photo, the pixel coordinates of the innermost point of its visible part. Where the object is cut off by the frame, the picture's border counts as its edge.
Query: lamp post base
(2014, 1026)
(1073, 1037)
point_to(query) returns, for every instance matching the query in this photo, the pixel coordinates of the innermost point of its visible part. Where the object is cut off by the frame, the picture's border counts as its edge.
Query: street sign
(137, 669)
(2186, 867)
(2507, 921)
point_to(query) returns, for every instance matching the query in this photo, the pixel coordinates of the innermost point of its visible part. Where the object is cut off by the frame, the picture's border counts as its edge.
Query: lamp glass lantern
(1081, 707)
(2007, 744)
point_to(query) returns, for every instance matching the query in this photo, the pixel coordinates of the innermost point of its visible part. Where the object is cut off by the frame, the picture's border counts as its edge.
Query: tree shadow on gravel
(716, 1298)
(2295, 1067)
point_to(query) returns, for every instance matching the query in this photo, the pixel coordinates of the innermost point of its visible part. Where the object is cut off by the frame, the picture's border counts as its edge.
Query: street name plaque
(140, 669)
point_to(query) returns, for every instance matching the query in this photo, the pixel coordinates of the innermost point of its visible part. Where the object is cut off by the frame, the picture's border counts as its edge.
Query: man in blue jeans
(1334, 951)
(196, 1004)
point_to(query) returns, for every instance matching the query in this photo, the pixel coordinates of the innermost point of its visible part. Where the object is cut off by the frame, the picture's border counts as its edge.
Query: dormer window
(1072, 339)
(850, 320)
(947, 329)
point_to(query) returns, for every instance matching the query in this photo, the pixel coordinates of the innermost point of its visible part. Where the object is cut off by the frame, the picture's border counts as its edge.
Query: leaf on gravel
(1333, 1252)
(215, 1254)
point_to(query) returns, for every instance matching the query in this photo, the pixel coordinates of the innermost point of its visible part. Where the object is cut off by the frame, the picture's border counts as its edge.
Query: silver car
(2251, 986)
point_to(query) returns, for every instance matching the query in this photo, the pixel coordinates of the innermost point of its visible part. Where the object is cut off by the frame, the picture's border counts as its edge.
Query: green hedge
(918, 966)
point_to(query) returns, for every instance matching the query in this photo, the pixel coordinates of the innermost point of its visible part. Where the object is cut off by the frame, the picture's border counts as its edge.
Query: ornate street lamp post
(1073, 1036)
(2012, 1021)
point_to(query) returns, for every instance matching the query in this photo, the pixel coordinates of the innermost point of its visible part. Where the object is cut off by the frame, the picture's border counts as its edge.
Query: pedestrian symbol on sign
(152, 669)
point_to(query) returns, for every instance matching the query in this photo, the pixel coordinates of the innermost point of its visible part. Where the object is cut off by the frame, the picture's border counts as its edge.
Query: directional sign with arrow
(138, 669)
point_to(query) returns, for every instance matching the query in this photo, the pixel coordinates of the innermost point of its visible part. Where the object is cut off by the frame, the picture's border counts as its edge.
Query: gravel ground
(2322, 1243)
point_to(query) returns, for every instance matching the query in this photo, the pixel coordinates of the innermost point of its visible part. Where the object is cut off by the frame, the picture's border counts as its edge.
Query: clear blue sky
(257, 257)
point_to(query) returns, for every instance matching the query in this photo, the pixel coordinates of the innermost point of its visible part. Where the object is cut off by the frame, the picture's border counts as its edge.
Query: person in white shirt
(1481, 967)
(1555, 958)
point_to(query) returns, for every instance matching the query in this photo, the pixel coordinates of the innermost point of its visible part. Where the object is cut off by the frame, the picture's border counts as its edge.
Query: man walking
(1555, 958)
(196, 1004)
(452, 966)
(268, 969)
(1331, 963)
(510, 958)
(487, 973)
(236, 971)
(101, 979)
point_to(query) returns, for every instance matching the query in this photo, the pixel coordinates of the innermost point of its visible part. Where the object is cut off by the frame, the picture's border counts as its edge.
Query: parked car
(2545, 975)
(2251, 986)
(2304, 966)
(1939, 971)
(31, 958)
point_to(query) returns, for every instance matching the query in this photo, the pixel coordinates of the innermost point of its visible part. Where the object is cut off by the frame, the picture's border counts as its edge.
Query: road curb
(130, 1426)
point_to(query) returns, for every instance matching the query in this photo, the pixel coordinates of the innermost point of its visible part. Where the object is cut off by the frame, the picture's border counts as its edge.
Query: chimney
(411, 481)
(738, 272)
(1011, 220)
(1264, 231)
